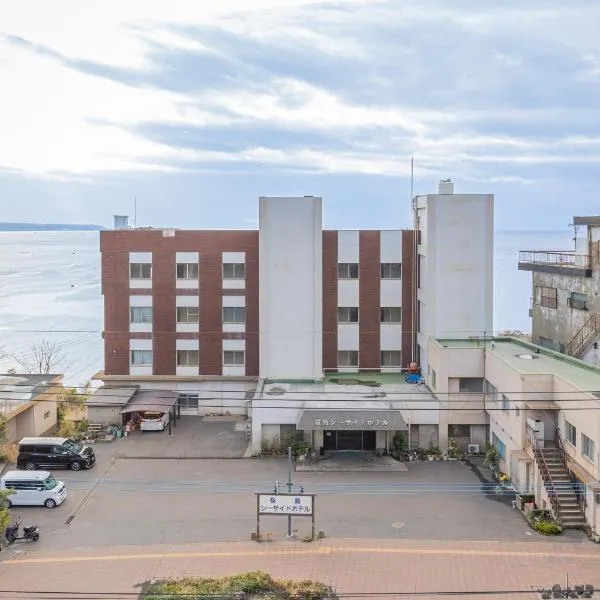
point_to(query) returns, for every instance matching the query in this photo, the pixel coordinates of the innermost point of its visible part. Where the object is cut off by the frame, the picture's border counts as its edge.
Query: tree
(43, 357)
(4, 514)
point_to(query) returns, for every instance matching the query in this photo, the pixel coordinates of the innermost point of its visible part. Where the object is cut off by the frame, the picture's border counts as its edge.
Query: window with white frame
(188, 400)
(233, 358)
(505, 404)
(188, 314)
(588, 447)
(187, 270)
(140, 314)
(347, 270)
(390, 314)
(141, 358)
(234, 270)
(391, 270)
(571, 433)
(347, 358)
(234, 315)
(140, 271)
(187, 358)
(348, 314)
(391, 358)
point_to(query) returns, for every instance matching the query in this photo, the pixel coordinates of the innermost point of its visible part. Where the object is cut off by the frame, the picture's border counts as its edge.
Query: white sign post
(289, 505)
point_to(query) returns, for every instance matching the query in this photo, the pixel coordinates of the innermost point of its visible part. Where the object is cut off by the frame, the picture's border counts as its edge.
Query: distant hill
(49, 227)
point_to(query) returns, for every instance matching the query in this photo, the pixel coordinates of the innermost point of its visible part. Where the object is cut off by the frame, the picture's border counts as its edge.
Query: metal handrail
(579, 494)
(563, 258)
(585, 331)
(545, 472)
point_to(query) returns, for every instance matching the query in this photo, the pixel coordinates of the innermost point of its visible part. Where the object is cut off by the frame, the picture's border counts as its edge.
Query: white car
(33, 488)
(154, 421)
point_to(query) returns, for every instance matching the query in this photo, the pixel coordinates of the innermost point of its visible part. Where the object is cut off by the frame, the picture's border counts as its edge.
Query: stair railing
(545, 472)
(578, 341)
(577, 485)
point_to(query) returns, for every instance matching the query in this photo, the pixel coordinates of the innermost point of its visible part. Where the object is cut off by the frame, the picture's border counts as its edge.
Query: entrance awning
(542, 405)
(151, 400)
(342, 420)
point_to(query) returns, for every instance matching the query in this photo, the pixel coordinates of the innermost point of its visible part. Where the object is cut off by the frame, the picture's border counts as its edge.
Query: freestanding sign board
(289, 505)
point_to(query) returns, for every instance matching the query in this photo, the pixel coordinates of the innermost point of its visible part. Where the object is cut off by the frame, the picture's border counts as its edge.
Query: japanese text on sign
(348, 422)
(282, 504)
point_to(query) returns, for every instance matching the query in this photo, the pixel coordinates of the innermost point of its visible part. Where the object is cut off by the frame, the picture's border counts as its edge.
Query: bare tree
(43, 357)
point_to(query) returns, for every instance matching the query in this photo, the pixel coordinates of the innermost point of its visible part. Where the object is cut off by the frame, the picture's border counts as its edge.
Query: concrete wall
(290, 287)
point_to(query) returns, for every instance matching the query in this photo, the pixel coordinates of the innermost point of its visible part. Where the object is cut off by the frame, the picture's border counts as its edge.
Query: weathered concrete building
(565, 305)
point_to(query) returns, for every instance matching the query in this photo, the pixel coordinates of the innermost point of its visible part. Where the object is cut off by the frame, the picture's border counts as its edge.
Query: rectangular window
(491, 391)
(233, 358)
(578, 301)
(505, 404)
(140, 314)
(548, 297)
(571, 433)
(588, 447)
(347, 270)
(187, 358)
(433, 379)
(517, 411)
(391, 270)
(390, 314)
(348, 314)
(234, 270)
(470, 384)
(347, 358)
(499, 445)
(141, 358)
(140, 271)
(187, 270)
(234, 315)
(391, 358)
(188, 400)
(188, 314)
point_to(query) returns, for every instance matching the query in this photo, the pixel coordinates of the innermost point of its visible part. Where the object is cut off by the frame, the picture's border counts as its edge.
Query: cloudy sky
(197, 108)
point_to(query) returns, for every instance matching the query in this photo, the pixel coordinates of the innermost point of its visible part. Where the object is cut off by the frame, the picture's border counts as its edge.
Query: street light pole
(289, 486)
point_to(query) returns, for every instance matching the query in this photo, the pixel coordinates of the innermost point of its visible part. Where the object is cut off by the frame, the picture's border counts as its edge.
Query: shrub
(548, 527)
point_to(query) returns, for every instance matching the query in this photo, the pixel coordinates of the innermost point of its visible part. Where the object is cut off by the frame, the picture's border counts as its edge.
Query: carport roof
(111, 396)
(158, 400)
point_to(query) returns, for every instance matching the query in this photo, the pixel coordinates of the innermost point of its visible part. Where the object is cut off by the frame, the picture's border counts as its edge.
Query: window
(517, 411)
(470, 384)
(391, 358)
(588, 448)
(47, 414)
(548, 297)
(499, 445)
(188, 400)
(490, 390)
(347, 358)
(187, 358)
(433, 379)
(390, 314)
(233, 358)
(571, 433)
(140, 314)
(188, 314)
(347, 270)
(505, 404)
(348, 314)
(577, 300)
(234, 314)
(141, 357)
(140, 270)
(187, 270)
(234, 270)
(391, 270)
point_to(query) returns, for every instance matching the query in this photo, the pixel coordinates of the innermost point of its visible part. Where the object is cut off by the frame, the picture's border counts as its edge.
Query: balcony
(555, 261)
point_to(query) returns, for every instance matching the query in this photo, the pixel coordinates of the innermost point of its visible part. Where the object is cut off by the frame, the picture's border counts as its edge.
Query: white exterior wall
(137, 344)
(457, 281)
(187, 345)
(140, 301)
(187, 258)
(239, 301)
(182, 301)
(348, 336)
(240, 345)
(290, 288)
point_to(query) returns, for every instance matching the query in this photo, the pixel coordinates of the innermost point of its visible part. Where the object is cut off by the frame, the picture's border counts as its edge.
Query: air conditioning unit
(473, 448)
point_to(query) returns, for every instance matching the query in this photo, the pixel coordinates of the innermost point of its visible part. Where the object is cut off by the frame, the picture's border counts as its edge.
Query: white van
(154, 421)
(33, 488)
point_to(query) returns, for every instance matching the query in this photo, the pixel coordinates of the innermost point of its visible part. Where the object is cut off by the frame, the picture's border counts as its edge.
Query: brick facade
(410, 239)
(330, 299)
(369, 278)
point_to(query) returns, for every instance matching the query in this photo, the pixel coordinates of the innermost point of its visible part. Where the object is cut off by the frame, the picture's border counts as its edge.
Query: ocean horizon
(50, 289)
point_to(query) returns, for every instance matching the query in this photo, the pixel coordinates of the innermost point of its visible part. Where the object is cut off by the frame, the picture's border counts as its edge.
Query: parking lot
(124, 501)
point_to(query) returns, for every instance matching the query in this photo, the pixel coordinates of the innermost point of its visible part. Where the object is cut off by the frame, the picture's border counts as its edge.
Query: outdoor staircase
(584, 337)
(561, 489)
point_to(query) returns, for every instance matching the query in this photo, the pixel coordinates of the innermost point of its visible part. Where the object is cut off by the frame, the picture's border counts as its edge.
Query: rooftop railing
(555, 258)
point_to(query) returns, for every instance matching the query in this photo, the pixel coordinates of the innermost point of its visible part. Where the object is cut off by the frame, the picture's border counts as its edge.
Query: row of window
(238, 271)
(548, 297)
(588, 446)
(235, 315)
(388, 314)
(234, 358)
(188, 358)
(187, 271)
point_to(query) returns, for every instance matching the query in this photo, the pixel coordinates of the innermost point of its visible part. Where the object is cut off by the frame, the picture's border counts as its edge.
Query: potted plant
(433, 453)
(399, 446)
(454, 452)
(491, 458)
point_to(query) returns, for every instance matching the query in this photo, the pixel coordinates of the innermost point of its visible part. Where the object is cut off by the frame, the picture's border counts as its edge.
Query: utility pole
(289, 486)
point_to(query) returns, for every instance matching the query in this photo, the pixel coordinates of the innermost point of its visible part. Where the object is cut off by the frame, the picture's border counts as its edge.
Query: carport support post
(174, 417)
(289, 486)
(170, 432)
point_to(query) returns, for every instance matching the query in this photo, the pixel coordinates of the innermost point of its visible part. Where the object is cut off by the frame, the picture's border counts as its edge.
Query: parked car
(154, 421)
(54, 452)
(33, 488)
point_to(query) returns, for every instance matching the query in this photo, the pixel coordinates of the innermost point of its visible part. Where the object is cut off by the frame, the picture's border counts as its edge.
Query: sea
(50, 291)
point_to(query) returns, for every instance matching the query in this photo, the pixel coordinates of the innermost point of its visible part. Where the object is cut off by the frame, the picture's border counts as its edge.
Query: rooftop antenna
(575, 232)
(135, 213)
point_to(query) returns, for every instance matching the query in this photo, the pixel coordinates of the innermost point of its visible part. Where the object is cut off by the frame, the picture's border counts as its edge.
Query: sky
(197, 108)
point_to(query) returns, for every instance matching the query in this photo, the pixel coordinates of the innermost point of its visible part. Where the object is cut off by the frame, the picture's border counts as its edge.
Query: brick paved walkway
(352, 566)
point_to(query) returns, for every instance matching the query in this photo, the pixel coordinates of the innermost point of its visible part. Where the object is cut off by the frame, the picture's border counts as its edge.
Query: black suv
(48, 453)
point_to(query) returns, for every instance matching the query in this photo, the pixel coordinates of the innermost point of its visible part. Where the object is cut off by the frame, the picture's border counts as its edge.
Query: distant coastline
(49, 227)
